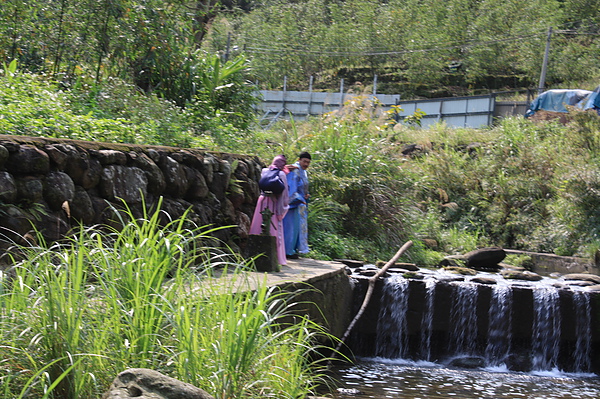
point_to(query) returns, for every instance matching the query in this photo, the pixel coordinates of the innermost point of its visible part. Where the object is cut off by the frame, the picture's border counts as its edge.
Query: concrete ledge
(323, 290)
(329, 297)
(550, 263)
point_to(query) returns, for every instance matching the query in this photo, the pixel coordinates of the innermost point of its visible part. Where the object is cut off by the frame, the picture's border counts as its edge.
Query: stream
(384, 378)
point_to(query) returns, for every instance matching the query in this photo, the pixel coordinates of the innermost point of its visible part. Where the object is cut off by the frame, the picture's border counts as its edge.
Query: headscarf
(278, 162)
(281, 201)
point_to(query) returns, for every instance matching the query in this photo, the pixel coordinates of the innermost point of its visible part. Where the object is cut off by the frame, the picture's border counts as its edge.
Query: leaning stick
(372, 281)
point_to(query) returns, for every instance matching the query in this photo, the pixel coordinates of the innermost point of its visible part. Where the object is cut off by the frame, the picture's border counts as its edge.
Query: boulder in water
(484, 280)
(460, 270)
(407, 266)
(594, 288)
(583, 277)
(468, 362)
(351, 263)
(580, 283)
(506, 266)
(449, 279)
(517, 275)
(413, 275)
(369, 272)
(519, 362)
(487, 259)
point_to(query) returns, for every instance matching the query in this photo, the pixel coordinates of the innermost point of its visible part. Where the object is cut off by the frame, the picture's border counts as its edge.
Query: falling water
(546, 328)
(464, 319)
(427, 320)
(517, 338)
(583, 330)
(447, 321)
(391, 335)
(500, 324)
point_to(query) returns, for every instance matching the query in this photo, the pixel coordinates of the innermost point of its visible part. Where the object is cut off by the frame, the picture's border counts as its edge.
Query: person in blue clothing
(295, 223)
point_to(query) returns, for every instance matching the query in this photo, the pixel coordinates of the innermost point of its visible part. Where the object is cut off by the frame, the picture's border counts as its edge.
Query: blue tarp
(556, 100)
(593, 100)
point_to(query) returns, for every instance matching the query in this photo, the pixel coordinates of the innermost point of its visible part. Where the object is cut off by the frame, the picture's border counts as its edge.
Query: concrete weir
(324, 290)
(525, 326)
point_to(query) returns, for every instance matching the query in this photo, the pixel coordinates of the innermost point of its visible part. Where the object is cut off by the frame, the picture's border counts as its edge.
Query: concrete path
(303, 270)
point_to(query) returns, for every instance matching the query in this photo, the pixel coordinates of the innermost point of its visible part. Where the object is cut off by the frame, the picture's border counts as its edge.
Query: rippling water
(384, 378)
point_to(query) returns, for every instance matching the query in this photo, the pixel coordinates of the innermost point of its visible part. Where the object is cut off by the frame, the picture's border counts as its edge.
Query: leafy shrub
(31, 106)
(158, 121)
(223, 104)
(217, 115)
(586, 126)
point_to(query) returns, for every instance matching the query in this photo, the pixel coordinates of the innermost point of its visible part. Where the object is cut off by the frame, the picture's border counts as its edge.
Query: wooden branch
(372, 281)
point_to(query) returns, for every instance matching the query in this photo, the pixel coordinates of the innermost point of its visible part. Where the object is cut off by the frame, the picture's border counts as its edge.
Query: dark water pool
(384, 378)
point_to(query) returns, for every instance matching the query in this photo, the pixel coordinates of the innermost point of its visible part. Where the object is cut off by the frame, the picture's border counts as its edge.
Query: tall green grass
(76, 313)
(519, 184)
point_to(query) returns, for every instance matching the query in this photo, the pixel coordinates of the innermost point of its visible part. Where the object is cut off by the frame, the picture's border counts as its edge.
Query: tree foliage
(149, 42)
(425, 47)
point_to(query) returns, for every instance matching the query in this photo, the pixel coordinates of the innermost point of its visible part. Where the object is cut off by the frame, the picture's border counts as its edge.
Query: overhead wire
(337, 53)
(262, 47)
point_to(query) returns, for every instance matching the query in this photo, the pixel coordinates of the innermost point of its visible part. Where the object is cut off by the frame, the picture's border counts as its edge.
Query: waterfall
(463, 335)
(500, 326)
(546, 328)
(427, 320)
(516, 326)
(583, 331)
(391, 332)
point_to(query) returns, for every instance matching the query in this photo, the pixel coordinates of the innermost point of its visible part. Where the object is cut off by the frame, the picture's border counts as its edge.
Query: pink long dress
(279, 206)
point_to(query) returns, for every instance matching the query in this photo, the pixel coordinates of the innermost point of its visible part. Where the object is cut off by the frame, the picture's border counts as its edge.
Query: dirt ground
(542, 115)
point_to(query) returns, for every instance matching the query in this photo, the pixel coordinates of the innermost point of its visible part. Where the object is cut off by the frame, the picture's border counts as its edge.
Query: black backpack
(270, 182)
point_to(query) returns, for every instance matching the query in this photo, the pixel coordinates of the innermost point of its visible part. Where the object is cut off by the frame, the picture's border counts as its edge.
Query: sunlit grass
(76, 313)
(508, 185)
(442, 135)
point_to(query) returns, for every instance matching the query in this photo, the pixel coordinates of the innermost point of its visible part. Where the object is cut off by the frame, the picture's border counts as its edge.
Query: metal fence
(299, 104)
(472, 112)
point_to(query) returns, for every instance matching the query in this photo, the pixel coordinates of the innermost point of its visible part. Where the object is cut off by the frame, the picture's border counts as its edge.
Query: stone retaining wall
(55, 185)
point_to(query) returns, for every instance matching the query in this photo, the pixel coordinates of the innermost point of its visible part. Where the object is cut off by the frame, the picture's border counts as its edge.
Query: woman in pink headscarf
(278, 204)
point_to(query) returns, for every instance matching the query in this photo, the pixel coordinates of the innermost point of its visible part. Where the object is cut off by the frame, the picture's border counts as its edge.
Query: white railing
(472, 111)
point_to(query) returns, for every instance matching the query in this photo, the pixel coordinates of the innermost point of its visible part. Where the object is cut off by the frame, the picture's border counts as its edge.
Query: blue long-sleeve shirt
(298, 186)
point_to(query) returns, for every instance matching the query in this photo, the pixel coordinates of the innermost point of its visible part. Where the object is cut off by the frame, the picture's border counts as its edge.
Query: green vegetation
(116, 111)
(519, 184)
(417, 47)
(425, 48)
(73, 315)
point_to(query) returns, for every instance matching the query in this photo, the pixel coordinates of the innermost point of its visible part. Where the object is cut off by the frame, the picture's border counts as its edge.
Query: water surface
(384, 378)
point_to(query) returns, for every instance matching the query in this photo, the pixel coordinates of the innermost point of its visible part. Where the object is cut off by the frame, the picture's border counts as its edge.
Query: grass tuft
(76, 313)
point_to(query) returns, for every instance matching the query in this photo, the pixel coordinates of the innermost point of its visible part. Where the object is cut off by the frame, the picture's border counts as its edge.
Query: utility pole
(545, 63)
